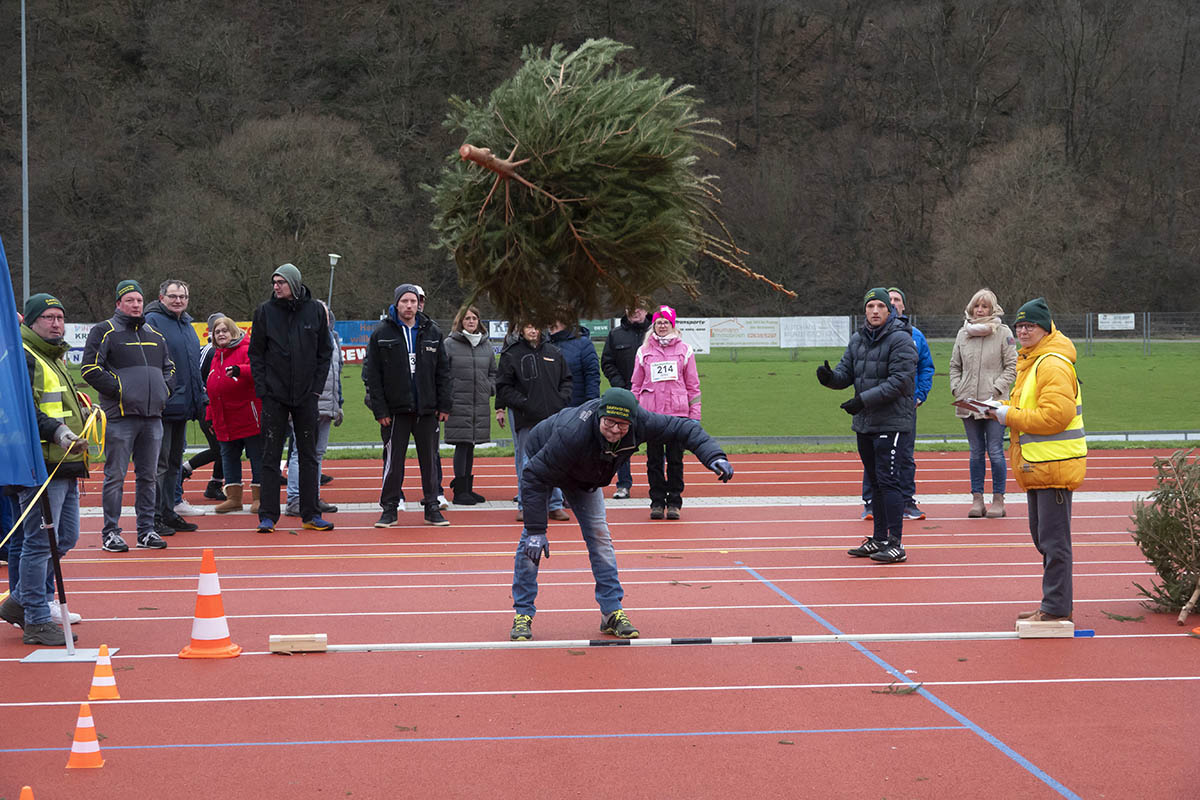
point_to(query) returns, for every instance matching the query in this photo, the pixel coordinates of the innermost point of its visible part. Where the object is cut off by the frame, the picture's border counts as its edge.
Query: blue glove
(853, 405)
(535, 545)
(723, 469)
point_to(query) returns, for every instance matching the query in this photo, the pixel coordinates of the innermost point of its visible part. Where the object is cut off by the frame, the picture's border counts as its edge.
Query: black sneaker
(867, 548)
(113, 542)
(12, 612)
(657, 511)
(619, 625)
(326, 508)
(178, 523)
(522, 629)
(387, 519)
(326, 479)
(162, 529)
(433, 516)
(151, 540)
(892, 554)
(213, 491)
(47, 633)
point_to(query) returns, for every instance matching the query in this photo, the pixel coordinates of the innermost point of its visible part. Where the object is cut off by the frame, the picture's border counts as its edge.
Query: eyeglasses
(278, 281)
(53, 317)
(176, 296)
(615, 424)
(1024, 326)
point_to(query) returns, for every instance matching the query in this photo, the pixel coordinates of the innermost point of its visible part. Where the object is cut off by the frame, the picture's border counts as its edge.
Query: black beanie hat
(618, 403)
(880, 294)
(37, 304)
(1037, 312)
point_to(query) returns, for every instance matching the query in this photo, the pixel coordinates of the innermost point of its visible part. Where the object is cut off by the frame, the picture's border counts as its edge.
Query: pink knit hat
(664, 312)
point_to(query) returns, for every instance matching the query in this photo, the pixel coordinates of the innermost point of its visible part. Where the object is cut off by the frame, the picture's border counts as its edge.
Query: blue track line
(1029, 766)
(533, 737)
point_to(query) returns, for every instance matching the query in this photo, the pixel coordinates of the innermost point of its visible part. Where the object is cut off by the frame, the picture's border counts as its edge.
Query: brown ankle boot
(233, 499)
(976, 506)
(254, 498)
(997, 507)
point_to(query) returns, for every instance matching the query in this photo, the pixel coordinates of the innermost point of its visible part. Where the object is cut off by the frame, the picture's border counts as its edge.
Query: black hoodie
(290, 349)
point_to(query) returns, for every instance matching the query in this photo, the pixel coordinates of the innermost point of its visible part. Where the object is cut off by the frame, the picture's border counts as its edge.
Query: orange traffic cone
(210, 632)
(85, 748)
(104, 683)
(26, 793)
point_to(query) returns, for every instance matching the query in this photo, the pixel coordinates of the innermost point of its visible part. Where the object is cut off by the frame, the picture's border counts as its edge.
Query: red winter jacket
(233, 408)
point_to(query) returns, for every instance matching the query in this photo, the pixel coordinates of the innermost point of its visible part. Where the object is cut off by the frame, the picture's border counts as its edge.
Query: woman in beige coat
(983, 367)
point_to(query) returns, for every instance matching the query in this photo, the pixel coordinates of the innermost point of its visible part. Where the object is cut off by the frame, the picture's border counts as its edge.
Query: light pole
(24, 168)
(333, 259)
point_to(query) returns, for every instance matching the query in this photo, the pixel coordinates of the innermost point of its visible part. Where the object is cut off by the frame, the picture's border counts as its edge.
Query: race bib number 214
(663, 371)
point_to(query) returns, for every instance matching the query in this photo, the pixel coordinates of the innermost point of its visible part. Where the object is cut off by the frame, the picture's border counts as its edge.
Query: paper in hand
(977, 406)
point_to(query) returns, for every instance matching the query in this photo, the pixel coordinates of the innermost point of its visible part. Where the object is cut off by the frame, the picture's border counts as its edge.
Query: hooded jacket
(568, 451)
(45, 355)
(187, 400)
(392, 387)
(473, 377)
(982, 367)
(233, 407)
(128, 364)
(881, 364)
(679, 397)
(619, 348)
(290, 348)
(1056, 385)
(580, 354)
(532, 382)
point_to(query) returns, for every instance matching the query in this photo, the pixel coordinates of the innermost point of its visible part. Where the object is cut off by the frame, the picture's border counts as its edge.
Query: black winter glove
(233, 371)
(536, 545)
(853, 405)
(825, 374)
(723, 469)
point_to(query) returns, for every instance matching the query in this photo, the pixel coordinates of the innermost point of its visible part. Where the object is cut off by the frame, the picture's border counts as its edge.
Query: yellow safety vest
(50, 400)
(1071, 442)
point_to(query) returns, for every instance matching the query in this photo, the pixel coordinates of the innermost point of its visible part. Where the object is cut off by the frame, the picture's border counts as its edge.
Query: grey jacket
(473, 382)
(881, 363)
(982, 367)
(330, 401)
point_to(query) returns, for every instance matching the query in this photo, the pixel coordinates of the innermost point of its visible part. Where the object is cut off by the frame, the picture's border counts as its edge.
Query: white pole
(333, 259)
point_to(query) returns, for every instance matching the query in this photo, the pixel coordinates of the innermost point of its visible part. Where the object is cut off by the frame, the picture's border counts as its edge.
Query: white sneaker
(56, 613)
(186, 509)
(443, 504)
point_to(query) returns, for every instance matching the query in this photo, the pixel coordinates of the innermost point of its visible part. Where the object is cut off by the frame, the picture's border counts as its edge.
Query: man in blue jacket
(908, 469)
(880, 362)
(575, 343)
(168, 315)
(578, 450)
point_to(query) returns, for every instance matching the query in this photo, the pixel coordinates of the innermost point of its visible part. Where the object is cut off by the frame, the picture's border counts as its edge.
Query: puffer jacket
(187, 400)
(128, 364)
(580, 355)
(982, 367)
(679, 397)
(532, 382)
(881, 364)
(233, 407)
(330, 401)
(290, 348)
(619, 349)
(1055, 410)
(473, 379)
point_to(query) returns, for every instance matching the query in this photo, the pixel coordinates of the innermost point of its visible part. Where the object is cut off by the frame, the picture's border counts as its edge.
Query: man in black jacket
(408, 382)
(579, 450)
(290, 349)
(130, 367)
(617, 361)
(881, 363)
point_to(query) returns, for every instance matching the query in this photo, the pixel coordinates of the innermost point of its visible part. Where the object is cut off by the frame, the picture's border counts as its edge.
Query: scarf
(665, 340)
(981, 327)
(473, 338)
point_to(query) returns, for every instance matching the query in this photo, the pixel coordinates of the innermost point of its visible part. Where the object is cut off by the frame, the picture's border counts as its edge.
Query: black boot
(470, 479)
(213, 491)
(462, 497)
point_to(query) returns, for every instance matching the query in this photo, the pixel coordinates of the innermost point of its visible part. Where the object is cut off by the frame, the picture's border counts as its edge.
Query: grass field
(764, 392)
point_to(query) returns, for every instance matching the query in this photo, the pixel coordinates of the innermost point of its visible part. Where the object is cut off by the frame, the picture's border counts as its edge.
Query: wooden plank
(298, 643)
(1056, 629)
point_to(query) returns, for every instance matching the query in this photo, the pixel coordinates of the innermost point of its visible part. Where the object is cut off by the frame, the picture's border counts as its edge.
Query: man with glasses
(168, 315)
(290, 351)
(579, 450)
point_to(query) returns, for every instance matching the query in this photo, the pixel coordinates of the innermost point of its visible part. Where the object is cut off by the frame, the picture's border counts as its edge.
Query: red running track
(1112, 716)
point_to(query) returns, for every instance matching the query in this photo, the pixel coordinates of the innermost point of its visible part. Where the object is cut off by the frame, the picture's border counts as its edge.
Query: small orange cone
(104, 683)
(85, 748)
(26, 793)
(210, 632)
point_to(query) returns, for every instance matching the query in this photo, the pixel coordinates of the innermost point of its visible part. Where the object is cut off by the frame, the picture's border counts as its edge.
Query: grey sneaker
(293, 508)
(47, 633)
(12, 612)
(151, 540)
(522, 629)
(113, 542)
(622, 493)
(325, 508)
(619, 625)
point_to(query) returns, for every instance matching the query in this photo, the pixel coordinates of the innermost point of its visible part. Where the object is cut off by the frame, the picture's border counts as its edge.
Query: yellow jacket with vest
(1046, 417)
(55, 401)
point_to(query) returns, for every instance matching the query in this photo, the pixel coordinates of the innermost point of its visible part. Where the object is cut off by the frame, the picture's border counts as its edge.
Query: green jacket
(55, 400)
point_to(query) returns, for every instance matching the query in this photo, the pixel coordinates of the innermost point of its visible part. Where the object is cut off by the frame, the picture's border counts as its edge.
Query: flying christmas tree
(578, 188)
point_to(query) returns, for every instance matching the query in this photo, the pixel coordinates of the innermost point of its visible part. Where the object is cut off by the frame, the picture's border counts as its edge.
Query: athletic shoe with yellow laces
(522, 629)
(619, 625)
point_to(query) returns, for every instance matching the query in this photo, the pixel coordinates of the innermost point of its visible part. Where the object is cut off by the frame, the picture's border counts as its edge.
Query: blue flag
(21, 461)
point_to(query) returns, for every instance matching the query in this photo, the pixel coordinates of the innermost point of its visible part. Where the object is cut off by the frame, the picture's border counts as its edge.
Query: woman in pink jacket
(665, 381)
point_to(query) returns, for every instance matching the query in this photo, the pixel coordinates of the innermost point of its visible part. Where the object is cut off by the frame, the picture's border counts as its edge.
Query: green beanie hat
(291, 274)
(1037, 312)
(880, 294)
(618, 403)
(125, 287)
(37, 304)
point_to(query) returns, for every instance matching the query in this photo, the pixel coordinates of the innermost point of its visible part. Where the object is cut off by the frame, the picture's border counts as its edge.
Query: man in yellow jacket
(1048, 450)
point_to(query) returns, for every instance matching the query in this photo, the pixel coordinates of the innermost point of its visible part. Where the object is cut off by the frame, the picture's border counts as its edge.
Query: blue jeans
(231, 459)
(589, 511)
(293, 483)
(624, 475)
(556, 496)
(986, 437)
(35, 584)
